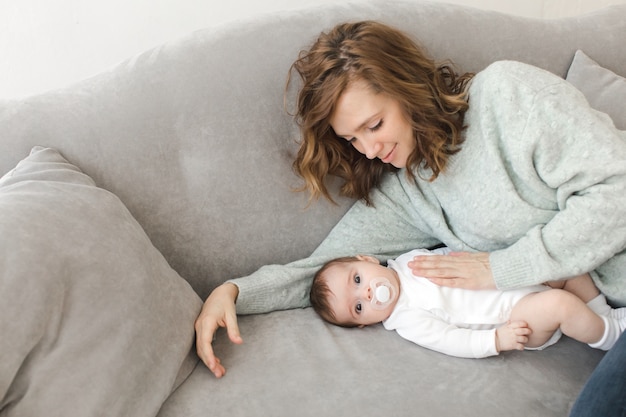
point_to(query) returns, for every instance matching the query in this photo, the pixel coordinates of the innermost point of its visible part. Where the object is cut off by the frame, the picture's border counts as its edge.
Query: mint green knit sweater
(540, 184)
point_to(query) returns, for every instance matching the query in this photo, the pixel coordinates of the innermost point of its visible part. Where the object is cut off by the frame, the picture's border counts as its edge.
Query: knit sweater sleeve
(575, 166)
(386, 229)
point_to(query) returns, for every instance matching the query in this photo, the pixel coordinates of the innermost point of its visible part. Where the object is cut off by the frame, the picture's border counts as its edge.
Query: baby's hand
(512, 336)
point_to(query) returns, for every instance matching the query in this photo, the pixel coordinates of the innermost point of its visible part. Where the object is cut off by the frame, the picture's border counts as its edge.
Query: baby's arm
(512, 336)
(432, 332)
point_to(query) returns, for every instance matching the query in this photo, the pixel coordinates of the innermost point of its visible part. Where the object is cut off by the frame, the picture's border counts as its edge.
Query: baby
(359, 291)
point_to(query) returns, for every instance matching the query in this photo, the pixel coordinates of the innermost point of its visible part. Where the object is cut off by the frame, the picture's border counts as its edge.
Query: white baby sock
(614, 322)
(619, 314)
(612, 331)
(599, 305)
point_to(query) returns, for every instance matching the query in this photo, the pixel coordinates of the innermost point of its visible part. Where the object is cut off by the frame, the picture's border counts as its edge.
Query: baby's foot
(619, 314)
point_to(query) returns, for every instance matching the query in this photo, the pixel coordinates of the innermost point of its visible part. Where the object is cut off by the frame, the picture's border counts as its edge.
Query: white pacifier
(382, 293)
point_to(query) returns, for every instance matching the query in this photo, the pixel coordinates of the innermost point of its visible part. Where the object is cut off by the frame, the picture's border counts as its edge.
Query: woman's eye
(358, 308)
(377, 126)
(357, 279)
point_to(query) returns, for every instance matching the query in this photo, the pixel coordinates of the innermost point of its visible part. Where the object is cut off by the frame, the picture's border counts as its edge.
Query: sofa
(127, 197)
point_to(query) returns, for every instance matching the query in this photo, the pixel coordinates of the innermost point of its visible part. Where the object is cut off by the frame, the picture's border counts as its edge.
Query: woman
(510, 168)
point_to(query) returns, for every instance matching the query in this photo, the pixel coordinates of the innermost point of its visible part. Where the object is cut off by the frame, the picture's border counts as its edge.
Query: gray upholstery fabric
(604, 89)
(193, 138)
(293, 364)
(93, 321)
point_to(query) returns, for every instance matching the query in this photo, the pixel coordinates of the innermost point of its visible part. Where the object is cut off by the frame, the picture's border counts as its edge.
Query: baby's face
(349, 283)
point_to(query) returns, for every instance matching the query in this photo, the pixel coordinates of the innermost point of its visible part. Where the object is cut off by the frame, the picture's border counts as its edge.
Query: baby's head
(354, 291)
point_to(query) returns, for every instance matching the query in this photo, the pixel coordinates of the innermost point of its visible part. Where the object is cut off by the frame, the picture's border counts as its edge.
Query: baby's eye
(358, 308)
(357, 279)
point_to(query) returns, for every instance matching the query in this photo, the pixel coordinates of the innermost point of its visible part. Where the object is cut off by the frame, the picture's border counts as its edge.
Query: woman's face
(374, 124)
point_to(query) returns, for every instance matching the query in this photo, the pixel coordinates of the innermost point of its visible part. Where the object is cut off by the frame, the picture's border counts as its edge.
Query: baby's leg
(581, 286)
(584, 288)
(549, 310)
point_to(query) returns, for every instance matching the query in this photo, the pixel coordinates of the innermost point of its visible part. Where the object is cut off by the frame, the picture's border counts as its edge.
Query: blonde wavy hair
(432, 96)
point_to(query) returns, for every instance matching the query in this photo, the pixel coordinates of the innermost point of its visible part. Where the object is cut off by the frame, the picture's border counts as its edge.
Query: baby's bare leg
(581, 286)
(549, 310)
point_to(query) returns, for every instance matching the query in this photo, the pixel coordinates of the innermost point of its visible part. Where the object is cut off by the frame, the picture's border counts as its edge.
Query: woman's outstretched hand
(218, 311)
(458, 269)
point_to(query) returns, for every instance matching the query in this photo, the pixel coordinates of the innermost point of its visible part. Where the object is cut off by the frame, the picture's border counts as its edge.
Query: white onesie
(453, 321)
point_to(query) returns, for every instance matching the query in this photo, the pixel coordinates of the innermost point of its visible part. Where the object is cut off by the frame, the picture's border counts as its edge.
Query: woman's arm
(574, 159)
(385, 230)
(217, 311)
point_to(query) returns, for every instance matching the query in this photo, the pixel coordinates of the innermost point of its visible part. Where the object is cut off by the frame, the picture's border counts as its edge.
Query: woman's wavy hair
(432, 96)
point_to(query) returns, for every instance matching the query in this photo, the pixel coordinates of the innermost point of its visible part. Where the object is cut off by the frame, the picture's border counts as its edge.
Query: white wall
(45, 44)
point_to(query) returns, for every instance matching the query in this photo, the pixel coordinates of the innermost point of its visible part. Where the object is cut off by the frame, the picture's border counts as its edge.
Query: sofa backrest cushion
(194, 138)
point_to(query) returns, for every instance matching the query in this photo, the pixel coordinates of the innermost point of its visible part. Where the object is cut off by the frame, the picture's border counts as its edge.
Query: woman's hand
(218, 311)
(458, 269)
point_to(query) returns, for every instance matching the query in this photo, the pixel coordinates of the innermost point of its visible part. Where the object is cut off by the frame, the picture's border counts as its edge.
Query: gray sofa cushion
(193, 136)
(93, 320)
(293, 364)
(604, 89)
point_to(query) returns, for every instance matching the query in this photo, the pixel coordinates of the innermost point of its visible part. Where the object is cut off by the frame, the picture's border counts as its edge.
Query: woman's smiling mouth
(387, 159)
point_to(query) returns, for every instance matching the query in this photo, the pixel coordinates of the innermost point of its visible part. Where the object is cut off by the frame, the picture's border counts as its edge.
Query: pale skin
(534, 319)
(218, 311)
(462, 270)
(375, 125)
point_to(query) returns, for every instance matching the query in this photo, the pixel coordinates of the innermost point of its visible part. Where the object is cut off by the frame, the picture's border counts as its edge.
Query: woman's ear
(368, 258)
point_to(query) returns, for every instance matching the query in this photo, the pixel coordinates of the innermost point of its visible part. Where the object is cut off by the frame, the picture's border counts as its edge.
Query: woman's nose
(371, 148)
